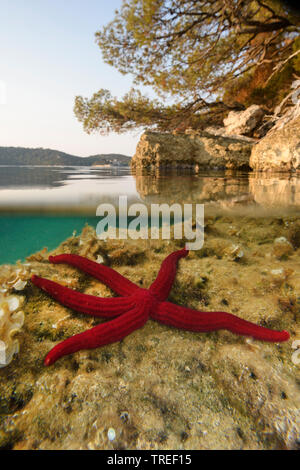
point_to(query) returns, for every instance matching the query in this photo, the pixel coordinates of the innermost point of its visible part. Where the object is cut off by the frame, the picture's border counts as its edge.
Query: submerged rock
(282, 248)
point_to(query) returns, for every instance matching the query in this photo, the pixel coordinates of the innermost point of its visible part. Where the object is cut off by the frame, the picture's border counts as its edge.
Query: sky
(48, 55)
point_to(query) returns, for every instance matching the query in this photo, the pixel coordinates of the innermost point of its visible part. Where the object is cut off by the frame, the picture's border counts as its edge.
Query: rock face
(243, 122)
(223, 132)
(199, 150)
(279, 150)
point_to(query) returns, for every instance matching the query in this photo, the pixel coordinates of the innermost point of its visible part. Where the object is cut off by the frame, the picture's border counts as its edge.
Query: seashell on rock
(11, 321)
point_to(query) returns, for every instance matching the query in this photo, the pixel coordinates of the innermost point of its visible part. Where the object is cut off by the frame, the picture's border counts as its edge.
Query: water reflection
(192, 188)
(43, 177)
(33, 177)
(58, 189)
(254, 192)
(82, 189)
(275, 190)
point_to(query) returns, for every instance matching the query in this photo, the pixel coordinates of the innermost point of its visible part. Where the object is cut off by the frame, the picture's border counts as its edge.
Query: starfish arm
(163, 283)
(193, 320)
(108, 276)
(84, 303)
(100, 335)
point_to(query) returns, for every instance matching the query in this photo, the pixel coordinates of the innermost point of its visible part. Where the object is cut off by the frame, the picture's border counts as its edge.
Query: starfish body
(135, 306)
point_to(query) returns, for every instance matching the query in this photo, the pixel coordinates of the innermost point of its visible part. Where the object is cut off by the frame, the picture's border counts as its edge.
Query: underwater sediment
(163, 388)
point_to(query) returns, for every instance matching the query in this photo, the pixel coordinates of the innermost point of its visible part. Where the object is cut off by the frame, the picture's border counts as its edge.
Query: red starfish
(136, 306)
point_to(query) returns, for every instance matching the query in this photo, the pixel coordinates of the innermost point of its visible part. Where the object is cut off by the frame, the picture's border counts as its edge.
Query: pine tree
(197, 56)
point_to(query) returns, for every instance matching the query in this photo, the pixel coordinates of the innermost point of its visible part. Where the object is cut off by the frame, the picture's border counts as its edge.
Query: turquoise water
(42, 206)
(21, 235)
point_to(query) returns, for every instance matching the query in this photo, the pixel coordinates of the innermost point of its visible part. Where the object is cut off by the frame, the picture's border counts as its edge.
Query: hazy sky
(48, 56)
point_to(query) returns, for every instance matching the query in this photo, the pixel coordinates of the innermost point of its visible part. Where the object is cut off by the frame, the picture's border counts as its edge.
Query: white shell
(13, 303)
(20, 285)
(11, 320)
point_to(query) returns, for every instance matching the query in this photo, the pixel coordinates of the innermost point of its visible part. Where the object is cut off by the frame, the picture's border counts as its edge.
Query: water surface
(42, 206)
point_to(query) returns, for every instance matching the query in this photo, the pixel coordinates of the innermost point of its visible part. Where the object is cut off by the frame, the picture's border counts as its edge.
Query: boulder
(243, 122)
(279, 150)
(222, 131)
(199, 150)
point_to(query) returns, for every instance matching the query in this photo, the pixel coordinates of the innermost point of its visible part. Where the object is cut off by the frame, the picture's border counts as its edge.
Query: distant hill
(24, 156)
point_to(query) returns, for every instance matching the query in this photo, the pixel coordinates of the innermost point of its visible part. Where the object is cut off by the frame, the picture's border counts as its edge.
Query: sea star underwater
(135, 306)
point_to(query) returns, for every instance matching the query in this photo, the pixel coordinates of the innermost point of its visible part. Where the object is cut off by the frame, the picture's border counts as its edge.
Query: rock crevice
(279, 150)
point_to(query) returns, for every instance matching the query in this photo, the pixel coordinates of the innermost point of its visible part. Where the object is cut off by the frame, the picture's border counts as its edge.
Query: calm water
(42, 206)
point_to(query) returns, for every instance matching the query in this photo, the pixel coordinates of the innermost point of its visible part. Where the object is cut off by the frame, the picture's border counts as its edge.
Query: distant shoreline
(65, 166)
(20, 156)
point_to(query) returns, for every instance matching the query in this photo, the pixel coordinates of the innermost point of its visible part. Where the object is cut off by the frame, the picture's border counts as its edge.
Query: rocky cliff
(228, 147)
(279, 150)
(200, 150)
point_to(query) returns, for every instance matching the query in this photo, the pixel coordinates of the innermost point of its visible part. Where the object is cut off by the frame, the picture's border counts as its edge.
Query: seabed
(163, 388)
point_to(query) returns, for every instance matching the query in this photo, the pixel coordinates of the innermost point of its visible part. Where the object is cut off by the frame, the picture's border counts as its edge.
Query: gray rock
(199, 150)
(279, 150)
(223, 132)
(243, 122)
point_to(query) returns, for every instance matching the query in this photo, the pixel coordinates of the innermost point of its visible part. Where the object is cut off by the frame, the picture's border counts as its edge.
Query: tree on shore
(201, 57)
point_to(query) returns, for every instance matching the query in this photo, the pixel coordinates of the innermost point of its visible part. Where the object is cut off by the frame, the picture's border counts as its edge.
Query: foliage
(296, 59)
(262, 86)
(40, 156)
(105, 113)
(191, 52)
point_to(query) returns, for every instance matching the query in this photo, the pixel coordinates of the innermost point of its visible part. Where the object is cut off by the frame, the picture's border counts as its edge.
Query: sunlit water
(42, 206)
(242, 268)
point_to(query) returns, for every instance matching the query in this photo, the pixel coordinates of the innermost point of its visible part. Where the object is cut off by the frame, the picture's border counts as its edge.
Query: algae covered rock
(282, 248)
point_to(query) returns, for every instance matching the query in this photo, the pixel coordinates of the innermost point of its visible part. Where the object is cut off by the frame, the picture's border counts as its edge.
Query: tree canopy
(201, 57)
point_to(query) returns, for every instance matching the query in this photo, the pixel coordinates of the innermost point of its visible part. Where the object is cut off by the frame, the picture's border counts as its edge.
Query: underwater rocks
(11, 321)
(163, 388)
(282, 248)
(197, 150)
